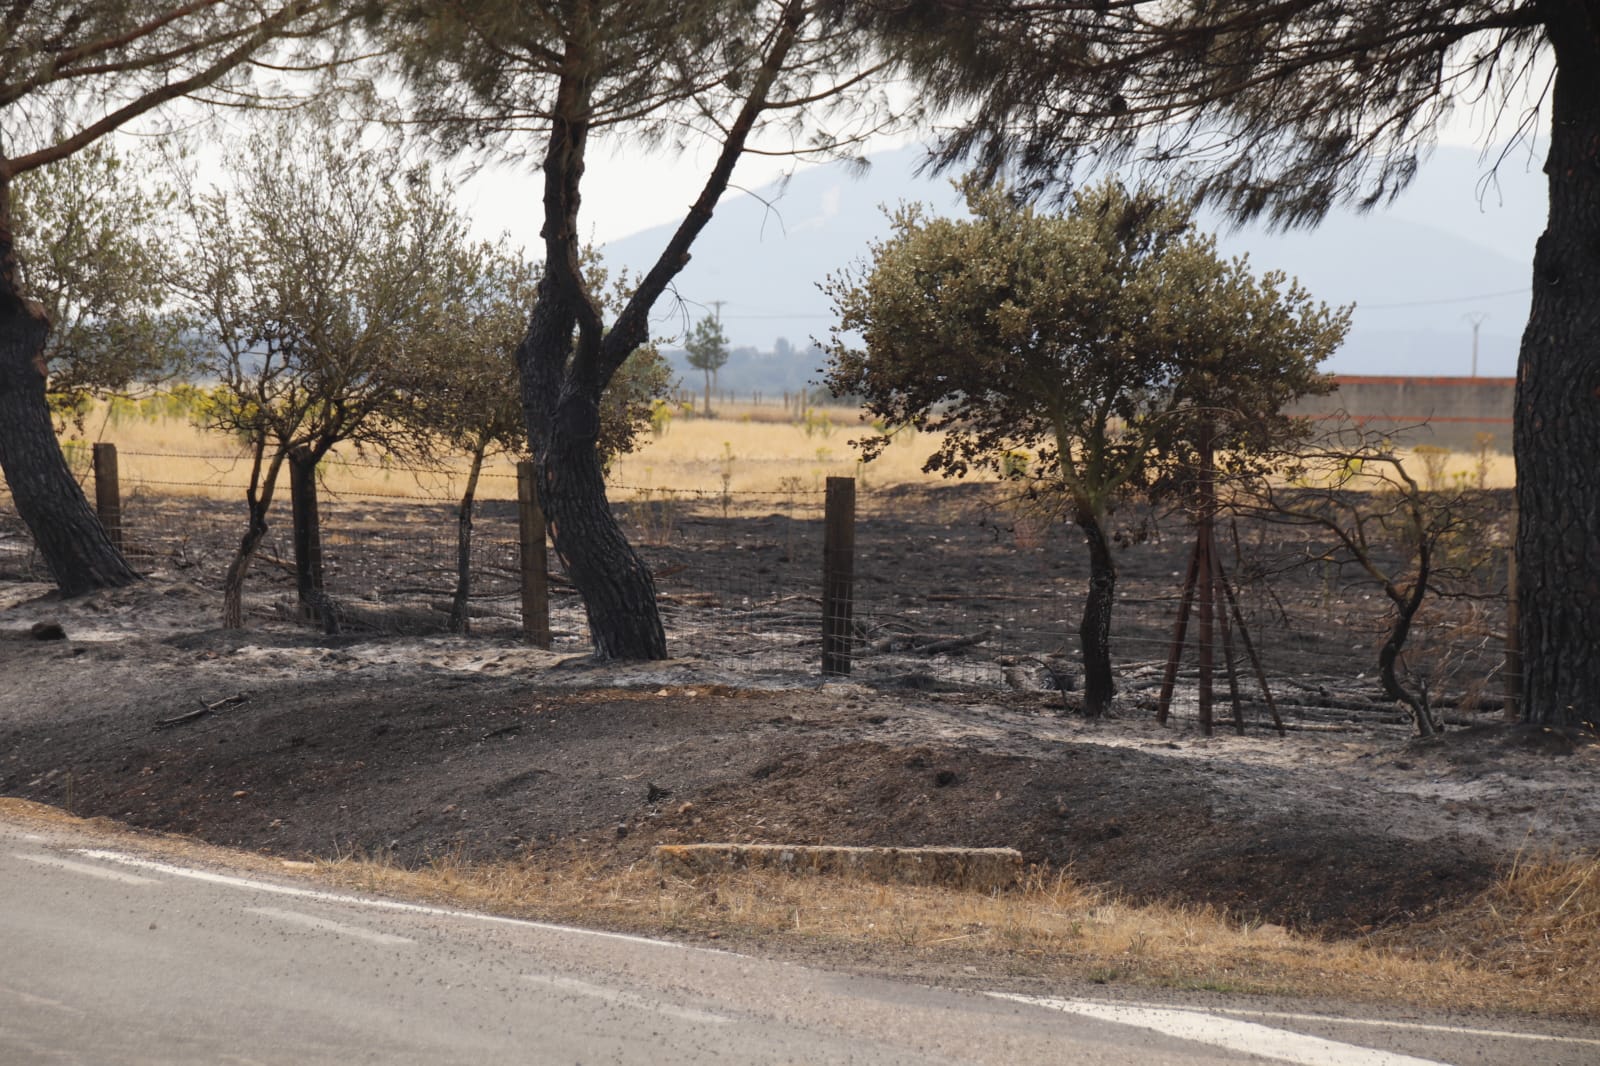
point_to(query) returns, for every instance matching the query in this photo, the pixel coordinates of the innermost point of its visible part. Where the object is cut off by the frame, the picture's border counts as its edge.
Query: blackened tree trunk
(563, 416)
(74, 545)
(258, 500)
(1407, 602)
(619, 593)
(1094, 632)
(460, 621)
(309, 592)
(1557, 432)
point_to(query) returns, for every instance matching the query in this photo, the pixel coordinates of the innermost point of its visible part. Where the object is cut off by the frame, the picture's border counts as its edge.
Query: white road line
(374, 904)
(324, 925)
(624, 999)
(1376, 1023)
(1228, 1033)
(85, 868)
(1380, 1023)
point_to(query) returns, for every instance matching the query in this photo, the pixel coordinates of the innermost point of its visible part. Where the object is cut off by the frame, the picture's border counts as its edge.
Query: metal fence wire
(951, 587)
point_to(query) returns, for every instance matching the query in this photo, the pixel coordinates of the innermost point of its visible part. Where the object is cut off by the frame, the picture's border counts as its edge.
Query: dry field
(744, 450)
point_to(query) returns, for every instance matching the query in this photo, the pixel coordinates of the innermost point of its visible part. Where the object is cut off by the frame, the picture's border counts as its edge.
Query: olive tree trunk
(1094, 632)
(460, 621)
(258, 500)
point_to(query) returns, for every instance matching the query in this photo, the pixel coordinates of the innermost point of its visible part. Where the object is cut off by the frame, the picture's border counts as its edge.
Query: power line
(1447, 300)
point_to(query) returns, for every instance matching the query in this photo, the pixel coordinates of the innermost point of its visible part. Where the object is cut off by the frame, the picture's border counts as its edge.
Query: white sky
(625, 190)
(631, 189)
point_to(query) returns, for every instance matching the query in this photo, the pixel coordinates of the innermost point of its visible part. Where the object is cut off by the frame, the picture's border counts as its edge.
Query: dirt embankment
(301, 745)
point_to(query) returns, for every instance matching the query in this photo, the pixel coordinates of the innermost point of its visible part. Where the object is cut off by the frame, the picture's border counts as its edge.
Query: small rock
(47, 631)
(622, 830)
(241, 794)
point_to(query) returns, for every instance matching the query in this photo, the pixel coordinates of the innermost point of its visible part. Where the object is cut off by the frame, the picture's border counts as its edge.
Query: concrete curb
(980, 869)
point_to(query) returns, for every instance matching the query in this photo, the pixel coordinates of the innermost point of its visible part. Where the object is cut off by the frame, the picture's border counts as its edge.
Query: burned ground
(420, 746)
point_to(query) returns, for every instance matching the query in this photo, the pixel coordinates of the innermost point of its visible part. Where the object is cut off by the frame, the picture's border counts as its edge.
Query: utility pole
(1477, 318)
(716, 315)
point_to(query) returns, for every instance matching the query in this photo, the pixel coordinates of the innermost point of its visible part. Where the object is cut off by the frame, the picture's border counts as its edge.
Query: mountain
(1455, 244)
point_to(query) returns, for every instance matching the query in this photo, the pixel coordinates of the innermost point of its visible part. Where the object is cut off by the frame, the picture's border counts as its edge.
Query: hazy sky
(629, 189)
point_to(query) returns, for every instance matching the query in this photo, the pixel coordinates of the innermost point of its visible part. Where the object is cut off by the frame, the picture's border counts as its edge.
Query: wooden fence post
(307, 535)
(107, 492)
(838, 576)
(535, 559)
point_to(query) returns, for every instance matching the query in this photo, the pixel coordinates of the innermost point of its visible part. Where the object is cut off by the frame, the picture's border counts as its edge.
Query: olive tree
(1352, 485)
(323, 276)
(1103, 340)
(97, 258)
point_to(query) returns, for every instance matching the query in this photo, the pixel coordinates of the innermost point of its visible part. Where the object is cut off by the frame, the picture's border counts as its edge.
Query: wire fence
(953, 587)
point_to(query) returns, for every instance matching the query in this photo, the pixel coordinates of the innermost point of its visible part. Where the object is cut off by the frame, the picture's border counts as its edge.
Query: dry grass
(791, 459)
(1529, 943)
(745, 453)
(1529, 955)
(1538, 927)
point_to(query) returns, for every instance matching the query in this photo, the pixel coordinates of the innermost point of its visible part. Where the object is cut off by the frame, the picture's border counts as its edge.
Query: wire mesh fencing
(950, 587)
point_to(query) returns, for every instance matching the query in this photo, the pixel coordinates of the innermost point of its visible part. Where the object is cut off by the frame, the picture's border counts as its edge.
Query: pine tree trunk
(619, 594)
(1557, 432)
(75, 547)
(562, 412)
(1094, 632)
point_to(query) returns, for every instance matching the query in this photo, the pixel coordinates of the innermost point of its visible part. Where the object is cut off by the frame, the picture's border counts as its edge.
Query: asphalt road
(110, 958)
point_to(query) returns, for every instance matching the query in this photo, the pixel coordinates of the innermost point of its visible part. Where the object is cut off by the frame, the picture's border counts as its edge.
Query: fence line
(949, 588)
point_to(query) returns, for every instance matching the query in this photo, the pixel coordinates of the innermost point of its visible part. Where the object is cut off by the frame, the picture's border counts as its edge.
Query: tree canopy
(1109, 343)
(96, 256)
(706, 348)
(1278, 109)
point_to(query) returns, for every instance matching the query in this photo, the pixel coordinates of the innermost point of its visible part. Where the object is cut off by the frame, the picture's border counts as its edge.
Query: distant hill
(1414, 269)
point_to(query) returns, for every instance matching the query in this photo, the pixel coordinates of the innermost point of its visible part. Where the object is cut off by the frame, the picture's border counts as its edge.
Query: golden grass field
(744, 449)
